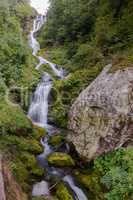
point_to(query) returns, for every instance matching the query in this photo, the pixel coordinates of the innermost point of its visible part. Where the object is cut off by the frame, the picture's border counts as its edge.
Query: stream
(38, 113)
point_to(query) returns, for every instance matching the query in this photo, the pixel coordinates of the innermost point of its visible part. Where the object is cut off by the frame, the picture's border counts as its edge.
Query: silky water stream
(38, 113)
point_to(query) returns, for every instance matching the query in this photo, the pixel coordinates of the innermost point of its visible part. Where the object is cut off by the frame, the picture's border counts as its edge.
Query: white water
(41, 189)
(38, 113)
(79, 193)
(38, 110)
(34, 44)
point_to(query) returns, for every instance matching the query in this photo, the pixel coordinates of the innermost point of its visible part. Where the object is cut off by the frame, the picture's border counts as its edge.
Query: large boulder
(102, 116)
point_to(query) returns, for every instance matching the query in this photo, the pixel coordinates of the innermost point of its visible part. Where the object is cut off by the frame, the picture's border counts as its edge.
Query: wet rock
(59, 159)
(102, 116)
(63, 193)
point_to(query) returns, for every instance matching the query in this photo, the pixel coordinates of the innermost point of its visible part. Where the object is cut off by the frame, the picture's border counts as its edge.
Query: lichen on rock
(101, 117)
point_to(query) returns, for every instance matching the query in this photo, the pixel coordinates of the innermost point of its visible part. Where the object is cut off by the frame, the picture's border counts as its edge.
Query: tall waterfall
(38, 113)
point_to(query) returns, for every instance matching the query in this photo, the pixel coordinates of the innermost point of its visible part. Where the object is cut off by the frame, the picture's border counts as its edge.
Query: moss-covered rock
(63, 193)
(60, 160)
(13, 120)
(56, 140)
(39, 131)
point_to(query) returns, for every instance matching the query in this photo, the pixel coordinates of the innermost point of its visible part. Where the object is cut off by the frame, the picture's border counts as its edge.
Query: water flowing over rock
(41, 189)
(102, 116)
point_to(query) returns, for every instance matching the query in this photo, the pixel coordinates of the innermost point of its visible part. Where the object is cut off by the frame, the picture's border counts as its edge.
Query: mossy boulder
(36, 147)
(59, 159)
(21, 144)
(63, 193)
(39, 131)
(56, 140)
(13, 120)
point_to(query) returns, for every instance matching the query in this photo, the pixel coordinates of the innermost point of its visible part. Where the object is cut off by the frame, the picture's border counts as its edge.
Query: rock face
(9, 189)
(2, 189)
(102, 116)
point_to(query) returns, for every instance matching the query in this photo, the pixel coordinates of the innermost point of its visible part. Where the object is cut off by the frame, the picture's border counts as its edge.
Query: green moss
(121, 63)
(13, 120)
(63, 193)
(54, 198)
(38, 198)
(60, 160)
(20, 154)
(91, 182)
(38, 132)
(56, 140)
(110, 177)
(64, 92)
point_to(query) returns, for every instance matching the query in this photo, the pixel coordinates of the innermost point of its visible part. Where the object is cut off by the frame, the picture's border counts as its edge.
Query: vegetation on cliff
(19, 140)
(83, 36)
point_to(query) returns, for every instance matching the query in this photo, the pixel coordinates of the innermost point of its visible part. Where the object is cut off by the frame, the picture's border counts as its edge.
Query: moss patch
(60, 160)
(63, 192)
(121, 63)
(13, 120)
(56, 140)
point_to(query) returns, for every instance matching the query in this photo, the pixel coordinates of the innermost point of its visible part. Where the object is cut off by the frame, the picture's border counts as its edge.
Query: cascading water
(79, 194)
(38, 113)
(34, 44)
(38, 110)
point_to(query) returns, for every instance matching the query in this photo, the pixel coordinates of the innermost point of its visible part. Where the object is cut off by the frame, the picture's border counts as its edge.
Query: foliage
(14, 50)
(111, 177)
(13, 120)
(81, 36)
(18, 138)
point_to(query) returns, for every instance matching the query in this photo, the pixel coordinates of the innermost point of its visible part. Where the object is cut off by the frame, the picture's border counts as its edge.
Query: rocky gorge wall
(101, 117)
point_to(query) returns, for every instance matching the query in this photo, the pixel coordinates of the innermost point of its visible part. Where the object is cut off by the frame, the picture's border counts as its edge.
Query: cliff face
(101, 117)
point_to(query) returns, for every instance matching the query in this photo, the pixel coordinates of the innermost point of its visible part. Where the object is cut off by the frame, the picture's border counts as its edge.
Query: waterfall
(79, 194)
(38, 112)
(34, 44)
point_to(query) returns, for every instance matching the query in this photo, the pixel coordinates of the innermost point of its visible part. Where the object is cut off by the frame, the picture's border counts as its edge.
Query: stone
(59, 159)
(101, 118)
